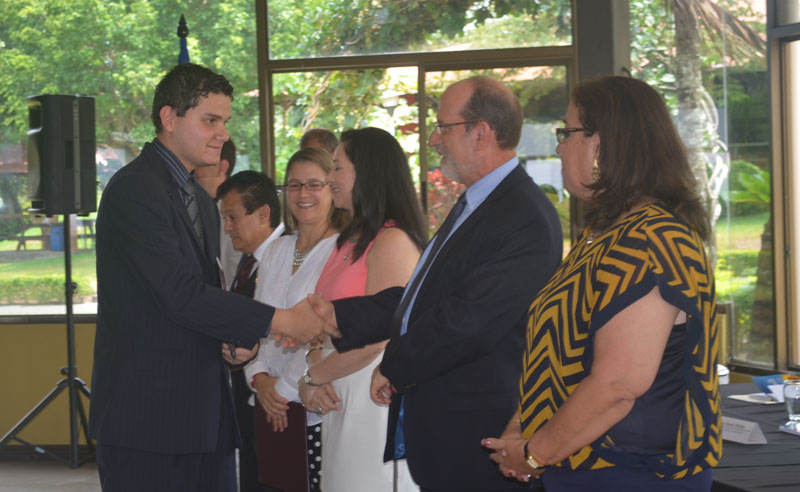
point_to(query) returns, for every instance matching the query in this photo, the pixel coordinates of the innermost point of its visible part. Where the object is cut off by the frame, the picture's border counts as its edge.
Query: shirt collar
(178, 172)
(481, 189)
(276, 233)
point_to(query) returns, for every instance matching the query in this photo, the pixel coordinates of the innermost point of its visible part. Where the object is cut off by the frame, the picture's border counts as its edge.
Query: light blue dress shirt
(475, 195)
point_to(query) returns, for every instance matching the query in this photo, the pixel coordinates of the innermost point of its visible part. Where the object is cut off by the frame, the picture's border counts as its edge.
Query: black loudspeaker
(62, 172)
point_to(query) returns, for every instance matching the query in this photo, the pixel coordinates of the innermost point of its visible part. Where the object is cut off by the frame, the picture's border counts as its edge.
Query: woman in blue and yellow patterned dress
(619, 388)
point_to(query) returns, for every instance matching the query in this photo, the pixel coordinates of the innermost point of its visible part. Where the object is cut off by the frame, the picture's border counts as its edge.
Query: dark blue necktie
(438, 241)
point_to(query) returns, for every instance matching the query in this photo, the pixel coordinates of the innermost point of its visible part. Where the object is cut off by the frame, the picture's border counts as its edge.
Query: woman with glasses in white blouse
(288, 271)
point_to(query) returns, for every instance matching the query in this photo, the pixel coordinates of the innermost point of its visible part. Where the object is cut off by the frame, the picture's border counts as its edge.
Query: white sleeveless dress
(353, 438)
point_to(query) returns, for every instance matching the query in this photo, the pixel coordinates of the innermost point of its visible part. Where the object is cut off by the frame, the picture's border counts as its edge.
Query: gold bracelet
(529, 458)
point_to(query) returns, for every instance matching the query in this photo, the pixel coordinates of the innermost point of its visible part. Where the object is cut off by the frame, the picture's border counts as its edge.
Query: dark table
(771, 467)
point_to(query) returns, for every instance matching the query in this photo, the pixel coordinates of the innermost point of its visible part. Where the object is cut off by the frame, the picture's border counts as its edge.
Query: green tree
(117, 51)
(679, 44)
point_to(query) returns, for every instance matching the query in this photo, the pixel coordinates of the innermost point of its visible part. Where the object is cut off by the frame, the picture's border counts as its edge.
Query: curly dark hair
(183, 86)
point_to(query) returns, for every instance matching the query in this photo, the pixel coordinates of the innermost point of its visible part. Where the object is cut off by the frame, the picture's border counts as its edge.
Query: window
(722, 115)
(333, 28)
(387, 66)
(115, 51)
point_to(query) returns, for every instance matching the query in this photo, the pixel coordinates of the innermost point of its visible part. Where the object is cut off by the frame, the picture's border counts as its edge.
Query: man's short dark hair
(228, 153)
(494, 103)
(256, 190)
(325, 137)
(183, 86)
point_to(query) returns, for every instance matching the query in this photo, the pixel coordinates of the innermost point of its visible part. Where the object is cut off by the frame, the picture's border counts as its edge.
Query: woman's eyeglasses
(563, 133)
(310, 185)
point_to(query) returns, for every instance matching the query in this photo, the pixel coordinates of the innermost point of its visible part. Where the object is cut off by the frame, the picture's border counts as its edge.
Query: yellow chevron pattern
(648, 247)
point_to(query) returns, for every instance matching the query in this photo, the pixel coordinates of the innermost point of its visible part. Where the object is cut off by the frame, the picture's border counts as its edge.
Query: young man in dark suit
(161, 408)
(451, 369)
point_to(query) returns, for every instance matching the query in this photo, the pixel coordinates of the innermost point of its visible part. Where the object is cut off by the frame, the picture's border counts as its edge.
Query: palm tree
(697, 119)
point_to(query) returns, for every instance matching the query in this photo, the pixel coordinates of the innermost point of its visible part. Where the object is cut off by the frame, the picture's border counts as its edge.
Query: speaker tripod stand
(72, 384)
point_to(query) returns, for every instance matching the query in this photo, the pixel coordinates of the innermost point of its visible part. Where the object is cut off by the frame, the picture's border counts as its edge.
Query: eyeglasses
(313, 185)
(441, 127)
(563, 133)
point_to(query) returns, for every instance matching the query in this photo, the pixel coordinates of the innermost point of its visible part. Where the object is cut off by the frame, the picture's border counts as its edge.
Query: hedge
(39, 289)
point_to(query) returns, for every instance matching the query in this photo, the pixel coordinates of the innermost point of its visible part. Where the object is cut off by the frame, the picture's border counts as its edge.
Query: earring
(595, 172)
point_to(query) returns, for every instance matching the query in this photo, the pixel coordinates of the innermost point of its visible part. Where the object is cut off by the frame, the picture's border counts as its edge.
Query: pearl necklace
(298, 257)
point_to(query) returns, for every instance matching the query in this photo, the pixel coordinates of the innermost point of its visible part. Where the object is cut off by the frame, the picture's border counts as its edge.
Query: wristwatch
(531, 461)
(307, 379)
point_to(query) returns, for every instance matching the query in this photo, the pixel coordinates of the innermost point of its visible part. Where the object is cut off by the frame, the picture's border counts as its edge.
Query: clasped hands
(310, 319)
(509, 455)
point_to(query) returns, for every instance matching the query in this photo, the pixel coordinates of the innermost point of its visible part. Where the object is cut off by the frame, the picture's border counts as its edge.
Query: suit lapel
(176, 200)
(464, 231)
(486, 207)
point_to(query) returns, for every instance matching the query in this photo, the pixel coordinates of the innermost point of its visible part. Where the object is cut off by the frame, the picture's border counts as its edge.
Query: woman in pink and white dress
(379, 249)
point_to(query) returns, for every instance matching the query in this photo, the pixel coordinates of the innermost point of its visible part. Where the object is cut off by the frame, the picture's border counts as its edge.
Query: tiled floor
(47, 476)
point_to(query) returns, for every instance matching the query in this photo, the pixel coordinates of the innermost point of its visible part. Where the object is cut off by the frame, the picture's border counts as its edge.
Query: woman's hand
(279, 424)
(274, 405)
(511, 459)
(509, 454)
(321, 399)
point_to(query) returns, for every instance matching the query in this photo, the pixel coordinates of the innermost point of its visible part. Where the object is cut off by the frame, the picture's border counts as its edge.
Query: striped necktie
(192, 207)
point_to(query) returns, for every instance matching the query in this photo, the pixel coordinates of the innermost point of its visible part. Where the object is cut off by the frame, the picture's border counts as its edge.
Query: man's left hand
(237, 355)
(381, 389)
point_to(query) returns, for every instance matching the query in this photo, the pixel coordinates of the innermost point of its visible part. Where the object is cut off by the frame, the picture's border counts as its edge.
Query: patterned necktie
(241, 282)
(192, 207)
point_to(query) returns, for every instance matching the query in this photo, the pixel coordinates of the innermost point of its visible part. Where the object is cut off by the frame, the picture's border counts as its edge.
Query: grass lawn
(741, 232)
(83, 264)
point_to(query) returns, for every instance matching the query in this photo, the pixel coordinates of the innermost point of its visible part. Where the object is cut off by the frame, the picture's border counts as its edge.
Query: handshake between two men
(310, 319)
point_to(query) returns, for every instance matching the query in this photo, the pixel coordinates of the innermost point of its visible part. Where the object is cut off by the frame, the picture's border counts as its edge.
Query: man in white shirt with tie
(251, 215)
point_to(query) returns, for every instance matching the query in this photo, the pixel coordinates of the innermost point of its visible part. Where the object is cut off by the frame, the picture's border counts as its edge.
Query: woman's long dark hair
(382, 191)
(641, 154)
